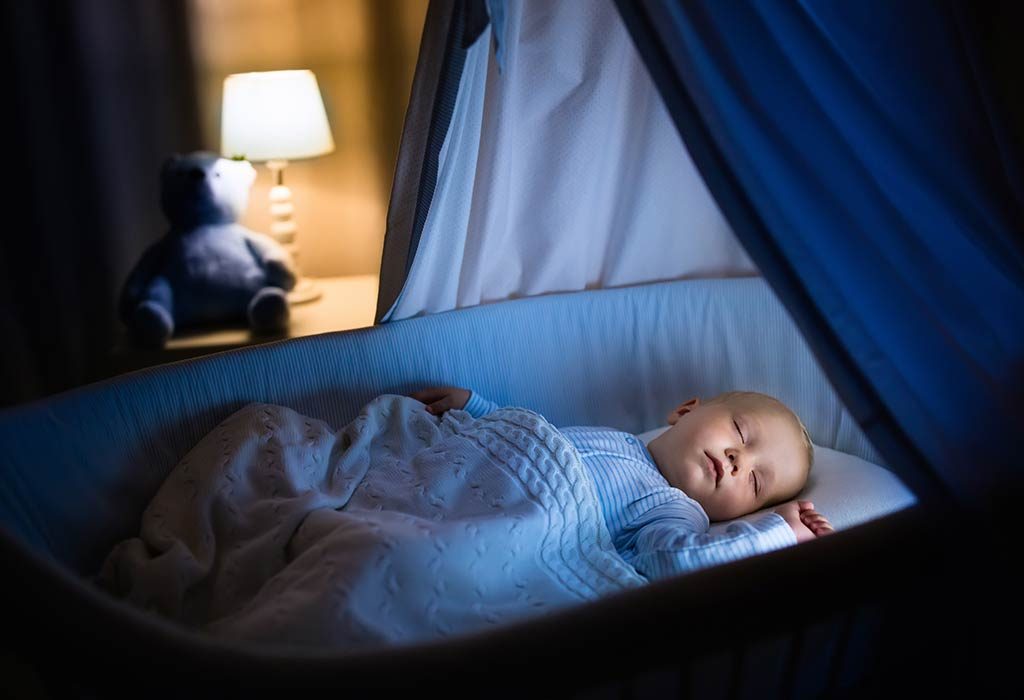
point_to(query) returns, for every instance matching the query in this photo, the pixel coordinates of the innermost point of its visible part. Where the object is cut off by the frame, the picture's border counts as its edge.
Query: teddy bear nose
(196, 174)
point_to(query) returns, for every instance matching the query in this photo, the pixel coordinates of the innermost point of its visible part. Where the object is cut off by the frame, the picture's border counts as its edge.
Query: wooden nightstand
(347, 302)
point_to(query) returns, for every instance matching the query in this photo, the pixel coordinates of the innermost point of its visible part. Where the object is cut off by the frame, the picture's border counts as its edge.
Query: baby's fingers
(439, 407)
(822, 529)
(429, 395)
(816, 522)
(813, 521)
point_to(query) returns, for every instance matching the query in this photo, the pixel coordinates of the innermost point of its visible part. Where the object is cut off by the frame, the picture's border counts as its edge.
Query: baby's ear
(682, 409)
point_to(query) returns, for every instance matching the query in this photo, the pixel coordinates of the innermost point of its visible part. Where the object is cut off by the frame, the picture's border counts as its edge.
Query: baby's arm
(443, 398)
(673, 538)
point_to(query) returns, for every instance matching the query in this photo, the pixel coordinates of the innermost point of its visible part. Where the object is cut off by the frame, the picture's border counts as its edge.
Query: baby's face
(733, 457)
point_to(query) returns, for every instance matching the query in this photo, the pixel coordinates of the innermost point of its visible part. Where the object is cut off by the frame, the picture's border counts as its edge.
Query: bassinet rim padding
(108, 634)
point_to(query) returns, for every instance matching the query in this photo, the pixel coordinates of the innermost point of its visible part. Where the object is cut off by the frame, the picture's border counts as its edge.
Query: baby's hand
(805, 522)
(441, 398)
(815, 521)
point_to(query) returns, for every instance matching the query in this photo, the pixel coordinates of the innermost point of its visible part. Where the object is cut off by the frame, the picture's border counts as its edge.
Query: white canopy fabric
(561, 171)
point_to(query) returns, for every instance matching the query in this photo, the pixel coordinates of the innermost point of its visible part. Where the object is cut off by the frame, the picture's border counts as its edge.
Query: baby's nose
(734, 461)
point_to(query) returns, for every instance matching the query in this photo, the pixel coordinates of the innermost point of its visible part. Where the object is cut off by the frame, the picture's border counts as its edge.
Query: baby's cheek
(719, 509)
(733, 506)
(707, 504)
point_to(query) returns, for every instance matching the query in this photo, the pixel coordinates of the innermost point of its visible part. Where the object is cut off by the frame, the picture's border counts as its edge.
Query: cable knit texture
(398, 528)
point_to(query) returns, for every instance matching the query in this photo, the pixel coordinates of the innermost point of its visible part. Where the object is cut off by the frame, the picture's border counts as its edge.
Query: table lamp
(274, 117)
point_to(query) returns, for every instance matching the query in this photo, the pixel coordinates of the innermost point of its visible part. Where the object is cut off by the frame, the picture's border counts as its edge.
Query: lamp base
(305, 290)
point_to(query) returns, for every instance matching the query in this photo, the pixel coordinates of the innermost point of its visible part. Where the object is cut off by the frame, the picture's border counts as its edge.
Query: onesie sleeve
(669, 543)
(478, 406)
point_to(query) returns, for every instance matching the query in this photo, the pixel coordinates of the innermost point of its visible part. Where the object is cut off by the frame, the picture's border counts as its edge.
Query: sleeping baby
(413, 523)
(735, 454)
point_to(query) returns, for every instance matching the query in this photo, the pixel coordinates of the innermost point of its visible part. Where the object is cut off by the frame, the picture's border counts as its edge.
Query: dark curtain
(99, 93)
(866, 155)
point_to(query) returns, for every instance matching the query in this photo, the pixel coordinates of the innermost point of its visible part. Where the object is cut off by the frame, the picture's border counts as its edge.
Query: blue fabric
(496, 10)
(851, 148)
(657, 528)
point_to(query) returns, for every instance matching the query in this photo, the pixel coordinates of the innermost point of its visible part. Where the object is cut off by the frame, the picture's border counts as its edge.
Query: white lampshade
(276, 115)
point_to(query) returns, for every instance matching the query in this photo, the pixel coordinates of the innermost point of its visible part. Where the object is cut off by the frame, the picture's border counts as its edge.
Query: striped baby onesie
(655, 527)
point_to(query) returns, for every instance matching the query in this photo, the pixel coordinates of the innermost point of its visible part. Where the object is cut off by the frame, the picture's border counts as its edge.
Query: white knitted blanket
(398, 528)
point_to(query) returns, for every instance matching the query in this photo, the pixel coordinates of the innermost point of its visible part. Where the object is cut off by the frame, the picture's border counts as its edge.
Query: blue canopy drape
(856, 151)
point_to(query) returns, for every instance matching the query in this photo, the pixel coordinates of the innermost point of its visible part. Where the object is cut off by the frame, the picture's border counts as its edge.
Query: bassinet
(79, 468)
(876, 607)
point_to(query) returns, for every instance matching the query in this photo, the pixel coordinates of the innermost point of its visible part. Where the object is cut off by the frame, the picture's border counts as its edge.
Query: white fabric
(846, 489)
(400, 527)
(562, 172)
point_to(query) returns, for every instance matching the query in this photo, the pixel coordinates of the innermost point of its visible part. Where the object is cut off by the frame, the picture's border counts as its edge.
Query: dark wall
(98, 93)
(999, 27)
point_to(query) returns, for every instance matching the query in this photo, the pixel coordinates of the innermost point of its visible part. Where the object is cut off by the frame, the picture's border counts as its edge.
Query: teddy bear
(207, 268)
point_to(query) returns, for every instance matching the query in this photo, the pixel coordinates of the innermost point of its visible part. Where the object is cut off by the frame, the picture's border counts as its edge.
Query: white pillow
(846, 489)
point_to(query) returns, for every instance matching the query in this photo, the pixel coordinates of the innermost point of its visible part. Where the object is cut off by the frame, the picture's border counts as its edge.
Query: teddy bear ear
(171, 161)
(251, 171)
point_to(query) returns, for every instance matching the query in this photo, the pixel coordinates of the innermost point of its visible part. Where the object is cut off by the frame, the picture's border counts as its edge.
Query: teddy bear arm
(279, 274)
(136, 286)
(152, 320)
(274, 260)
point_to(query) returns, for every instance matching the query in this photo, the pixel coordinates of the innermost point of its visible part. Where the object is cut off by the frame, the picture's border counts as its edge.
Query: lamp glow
(274, 117)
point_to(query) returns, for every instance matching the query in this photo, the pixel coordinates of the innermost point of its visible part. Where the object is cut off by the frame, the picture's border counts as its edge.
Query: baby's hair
(753, 395)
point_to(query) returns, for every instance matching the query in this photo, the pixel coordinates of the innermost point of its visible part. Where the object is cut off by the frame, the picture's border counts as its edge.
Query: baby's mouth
(717, 466)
